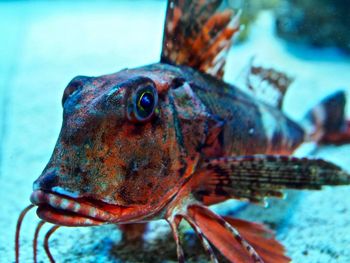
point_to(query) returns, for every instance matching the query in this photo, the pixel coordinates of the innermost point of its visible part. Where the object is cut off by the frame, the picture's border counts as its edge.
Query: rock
(320, 23)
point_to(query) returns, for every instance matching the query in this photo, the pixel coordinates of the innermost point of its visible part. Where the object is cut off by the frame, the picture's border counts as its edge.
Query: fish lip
(64, 218)
(64, 210)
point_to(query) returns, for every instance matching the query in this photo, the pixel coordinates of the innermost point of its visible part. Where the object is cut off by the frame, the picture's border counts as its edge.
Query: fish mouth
(66, 211)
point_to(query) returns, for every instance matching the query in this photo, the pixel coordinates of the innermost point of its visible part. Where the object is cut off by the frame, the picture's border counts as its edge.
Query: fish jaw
(66, 211)
(63, 210)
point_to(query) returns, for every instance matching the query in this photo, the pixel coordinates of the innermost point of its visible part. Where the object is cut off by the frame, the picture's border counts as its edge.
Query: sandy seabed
(44, 45)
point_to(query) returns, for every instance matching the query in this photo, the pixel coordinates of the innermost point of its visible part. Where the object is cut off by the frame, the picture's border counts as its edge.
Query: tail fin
(326, 123)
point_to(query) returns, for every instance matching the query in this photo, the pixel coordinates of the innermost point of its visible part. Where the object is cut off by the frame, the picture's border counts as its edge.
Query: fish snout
(50, 182)
(47, 181)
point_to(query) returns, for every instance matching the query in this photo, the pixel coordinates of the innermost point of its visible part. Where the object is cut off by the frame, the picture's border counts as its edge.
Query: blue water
(45, 44)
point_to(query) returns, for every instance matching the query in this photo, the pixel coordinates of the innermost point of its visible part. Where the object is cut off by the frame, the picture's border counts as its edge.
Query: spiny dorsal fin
(268, 84)
(198, 35)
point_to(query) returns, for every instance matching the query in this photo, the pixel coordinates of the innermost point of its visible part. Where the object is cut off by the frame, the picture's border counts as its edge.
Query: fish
(167, 140)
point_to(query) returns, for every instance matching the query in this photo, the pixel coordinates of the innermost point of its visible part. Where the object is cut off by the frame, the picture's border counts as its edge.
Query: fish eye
(143, 104)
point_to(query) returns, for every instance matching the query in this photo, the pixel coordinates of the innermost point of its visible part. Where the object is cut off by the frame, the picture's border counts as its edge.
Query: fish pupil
(146, 101)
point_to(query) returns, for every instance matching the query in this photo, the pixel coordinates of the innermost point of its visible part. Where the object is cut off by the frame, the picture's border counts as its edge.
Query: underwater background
(44, 44)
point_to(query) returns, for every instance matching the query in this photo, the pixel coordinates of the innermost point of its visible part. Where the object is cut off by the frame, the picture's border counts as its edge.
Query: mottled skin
(103, 156)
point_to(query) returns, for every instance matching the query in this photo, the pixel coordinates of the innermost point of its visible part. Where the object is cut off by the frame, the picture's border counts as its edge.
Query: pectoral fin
(261, 238)
(258, 176)
(237, 240)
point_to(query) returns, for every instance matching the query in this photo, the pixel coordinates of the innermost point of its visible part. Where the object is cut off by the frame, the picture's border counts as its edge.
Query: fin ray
(258, 176)
(261, 238)
(266, 83)
(223, 235)
(198, 34)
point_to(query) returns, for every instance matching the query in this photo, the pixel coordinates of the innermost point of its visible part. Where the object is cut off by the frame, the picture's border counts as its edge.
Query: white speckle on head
(251, 131)
(60, 190)
(103, 186)
(108, 200)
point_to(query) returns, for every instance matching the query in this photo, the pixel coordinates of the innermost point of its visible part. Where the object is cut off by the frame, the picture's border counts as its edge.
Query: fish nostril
(74, 85)
(46, 181)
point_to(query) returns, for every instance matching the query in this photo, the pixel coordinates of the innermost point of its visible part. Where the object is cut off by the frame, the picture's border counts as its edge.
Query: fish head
(128, 142)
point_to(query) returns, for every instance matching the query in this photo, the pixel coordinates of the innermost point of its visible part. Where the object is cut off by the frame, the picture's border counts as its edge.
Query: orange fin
(268, 84)
(221, 234)
(258, 176)
(198, 35)
(262, 239)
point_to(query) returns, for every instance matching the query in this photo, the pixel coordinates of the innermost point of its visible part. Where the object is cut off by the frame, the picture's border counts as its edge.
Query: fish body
(249, 126)
(166, 140)
(99, 155)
